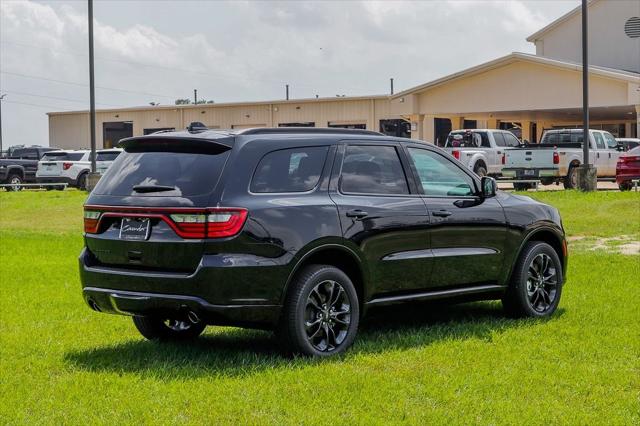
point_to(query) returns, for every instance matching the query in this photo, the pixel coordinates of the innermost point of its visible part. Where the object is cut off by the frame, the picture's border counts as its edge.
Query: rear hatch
(151, 209)
(53, 163)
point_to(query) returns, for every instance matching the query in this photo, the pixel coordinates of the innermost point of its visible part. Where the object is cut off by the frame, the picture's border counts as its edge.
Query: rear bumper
(56, 179)
(177, 306)
(532, 173)
(239, 290)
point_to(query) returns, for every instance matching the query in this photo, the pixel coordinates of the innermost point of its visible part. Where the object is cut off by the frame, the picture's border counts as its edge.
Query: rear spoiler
(185, 143)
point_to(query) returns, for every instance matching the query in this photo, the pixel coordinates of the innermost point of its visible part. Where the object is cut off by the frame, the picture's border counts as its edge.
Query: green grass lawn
(61, 363)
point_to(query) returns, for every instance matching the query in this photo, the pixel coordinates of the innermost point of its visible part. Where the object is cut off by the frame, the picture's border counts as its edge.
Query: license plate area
(528, 173)
(135, 228)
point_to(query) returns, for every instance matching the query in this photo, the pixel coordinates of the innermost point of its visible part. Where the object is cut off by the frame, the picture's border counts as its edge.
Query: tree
(183, 101)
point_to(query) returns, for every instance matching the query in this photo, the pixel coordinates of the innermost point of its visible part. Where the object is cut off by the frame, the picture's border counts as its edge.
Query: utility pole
(287, 91)
(1, 98)
(195, 96)
(392, 85)
(587, 173)
(92, 177)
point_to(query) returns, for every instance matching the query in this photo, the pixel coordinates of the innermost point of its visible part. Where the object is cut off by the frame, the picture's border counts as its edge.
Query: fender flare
(528, 237)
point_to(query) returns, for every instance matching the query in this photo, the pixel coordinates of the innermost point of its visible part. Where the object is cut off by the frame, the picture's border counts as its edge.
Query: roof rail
(301, 130)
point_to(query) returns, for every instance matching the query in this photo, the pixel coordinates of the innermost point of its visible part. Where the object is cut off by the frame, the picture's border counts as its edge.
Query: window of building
(439, 176)
(372, 170)
(289, 170)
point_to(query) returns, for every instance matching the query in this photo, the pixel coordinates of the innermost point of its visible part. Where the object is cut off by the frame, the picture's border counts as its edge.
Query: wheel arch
(546, 235)
(15, 170)
(335, 255)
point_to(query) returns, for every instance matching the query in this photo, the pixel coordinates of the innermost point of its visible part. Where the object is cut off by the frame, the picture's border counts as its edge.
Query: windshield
(62, 156)
(173, 174)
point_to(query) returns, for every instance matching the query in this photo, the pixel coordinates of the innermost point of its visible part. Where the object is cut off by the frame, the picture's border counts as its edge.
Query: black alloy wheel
(327, 316)
(542, 283)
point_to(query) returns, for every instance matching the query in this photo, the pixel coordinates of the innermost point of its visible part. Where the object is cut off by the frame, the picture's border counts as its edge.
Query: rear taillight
(66, 166)
(91, 221)
(215, 222)
(504, 159)
(456, 154)
(556, 158)
(629, 158)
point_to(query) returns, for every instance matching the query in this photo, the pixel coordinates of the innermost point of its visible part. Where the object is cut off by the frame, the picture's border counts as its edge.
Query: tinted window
(465, 140)
(372, 170)
(577, 137)
(550, 139)
(499, 139)
(485, 140)
(190, 173)
(289, 170)
(25, 154)
(62, 156)
(440, 176)
(510, 140)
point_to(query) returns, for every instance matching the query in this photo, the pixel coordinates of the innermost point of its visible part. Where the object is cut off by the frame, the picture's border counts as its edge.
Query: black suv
(302, 231)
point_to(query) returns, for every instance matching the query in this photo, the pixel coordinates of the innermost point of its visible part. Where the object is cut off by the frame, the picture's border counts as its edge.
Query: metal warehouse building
(523, 91)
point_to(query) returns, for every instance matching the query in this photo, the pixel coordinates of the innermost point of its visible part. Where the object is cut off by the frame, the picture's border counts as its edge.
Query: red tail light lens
(629, 158)
(66, 166)
(91, 221)
(456, 154)
(504, 158)
(215, 222)
(556, 158)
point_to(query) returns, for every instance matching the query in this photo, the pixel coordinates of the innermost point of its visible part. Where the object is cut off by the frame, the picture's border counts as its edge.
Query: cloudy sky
(157, 51)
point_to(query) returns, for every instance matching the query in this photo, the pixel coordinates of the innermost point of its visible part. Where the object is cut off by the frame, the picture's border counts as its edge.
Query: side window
(599, 140)
(372, 170)
(440, 176)
(577, 137)
(611, 141)
(485, 140)
(510, 140)
(499, 139)
(289, 170)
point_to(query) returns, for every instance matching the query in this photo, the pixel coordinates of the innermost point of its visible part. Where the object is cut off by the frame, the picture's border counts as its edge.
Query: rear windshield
(107, 156)
(561, 137)
(62, 156)
(188, 173)
(467, 140)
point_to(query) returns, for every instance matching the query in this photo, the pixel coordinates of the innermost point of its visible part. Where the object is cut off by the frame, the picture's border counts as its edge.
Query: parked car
(70, 167)
(302, 231)
(628, 169)
(21, 165)
(106, 157)
(481, 150)
(556, 158)
(626, 144)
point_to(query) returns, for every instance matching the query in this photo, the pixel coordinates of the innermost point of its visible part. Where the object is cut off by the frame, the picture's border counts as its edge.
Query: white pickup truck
(481, 150)
(556, 158)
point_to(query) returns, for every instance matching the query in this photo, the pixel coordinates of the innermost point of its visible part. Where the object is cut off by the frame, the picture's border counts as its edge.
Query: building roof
(518, 56)
(227, 104)
(573, 12)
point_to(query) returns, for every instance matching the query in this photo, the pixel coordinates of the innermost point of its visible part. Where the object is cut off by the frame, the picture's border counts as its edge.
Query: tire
(14, 179)
(82, 182)
(527, 295)
(480, 171)
(318, 318)
(625, 186)
(521, 186)
(571, 180)
(157, 329)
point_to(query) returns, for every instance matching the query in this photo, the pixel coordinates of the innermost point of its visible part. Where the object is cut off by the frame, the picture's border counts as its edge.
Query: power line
(55, 97)
(50, 107)
(86, 85)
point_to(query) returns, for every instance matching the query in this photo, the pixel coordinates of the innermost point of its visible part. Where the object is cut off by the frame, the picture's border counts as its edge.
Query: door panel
(467, 233)
(390, 230)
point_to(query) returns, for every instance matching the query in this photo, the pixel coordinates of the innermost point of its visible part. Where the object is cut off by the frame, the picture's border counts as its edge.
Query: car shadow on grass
(235, 352)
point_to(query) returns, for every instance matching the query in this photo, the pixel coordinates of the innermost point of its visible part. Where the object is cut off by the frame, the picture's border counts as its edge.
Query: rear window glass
(561, 137)
(107, 156)
(25, 154)
(467, 140)
(372, 170)
(62, 156)
(188, 173)
(289, 170)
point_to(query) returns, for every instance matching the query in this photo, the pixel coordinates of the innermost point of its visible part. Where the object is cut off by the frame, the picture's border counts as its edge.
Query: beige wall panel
(69, 131)
(520, 86)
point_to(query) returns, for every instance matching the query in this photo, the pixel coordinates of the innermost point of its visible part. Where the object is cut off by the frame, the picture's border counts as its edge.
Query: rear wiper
(153, 188)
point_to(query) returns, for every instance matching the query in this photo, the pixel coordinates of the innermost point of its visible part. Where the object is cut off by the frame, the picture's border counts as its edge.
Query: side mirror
(489, 187)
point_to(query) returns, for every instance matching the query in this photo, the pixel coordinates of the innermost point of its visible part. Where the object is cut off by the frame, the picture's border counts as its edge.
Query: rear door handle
(357, 213)
(441, 213)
